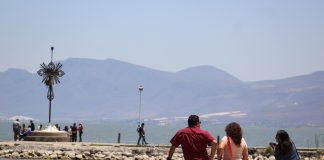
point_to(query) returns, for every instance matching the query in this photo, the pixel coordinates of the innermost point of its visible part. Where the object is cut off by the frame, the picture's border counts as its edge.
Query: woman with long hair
(285, 149)
(233, 145)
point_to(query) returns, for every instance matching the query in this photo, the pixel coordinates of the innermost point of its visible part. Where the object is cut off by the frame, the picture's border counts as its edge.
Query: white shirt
(237, 151)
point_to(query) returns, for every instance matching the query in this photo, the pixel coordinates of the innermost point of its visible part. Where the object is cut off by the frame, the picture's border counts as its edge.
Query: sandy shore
(88, 150)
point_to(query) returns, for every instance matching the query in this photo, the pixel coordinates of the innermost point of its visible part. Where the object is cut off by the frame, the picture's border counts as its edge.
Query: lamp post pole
(140, 88)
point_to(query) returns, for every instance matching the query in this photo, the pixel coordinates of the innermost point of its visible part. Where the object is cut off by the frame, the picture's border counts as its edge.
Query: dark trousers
(16, 135)
(80, 136)
(74, 137)
(22, 136)
(143, 139)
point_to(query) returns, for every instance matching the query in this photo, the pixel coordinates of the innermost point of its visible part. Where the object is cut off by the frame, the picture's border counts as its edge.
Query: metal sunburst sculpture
(51, 74)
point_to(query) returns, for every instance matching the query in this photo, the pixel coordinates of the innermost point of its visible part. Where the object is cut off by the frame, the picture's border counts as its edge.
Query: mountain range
(108, 90)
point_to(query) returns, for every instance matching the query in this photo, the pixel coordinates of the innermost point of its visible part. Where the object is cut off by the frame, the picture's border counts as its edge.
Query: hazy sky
(252, 40)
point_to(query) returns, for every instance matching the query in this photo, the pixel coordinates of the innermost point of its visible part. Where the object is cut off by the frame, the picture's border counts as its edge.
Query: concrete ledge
(93, 150)
(48, 137)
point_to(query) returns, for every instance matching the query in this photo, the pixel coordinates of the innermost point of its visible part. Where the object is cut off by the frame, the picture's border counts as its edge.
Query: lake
(107, 132)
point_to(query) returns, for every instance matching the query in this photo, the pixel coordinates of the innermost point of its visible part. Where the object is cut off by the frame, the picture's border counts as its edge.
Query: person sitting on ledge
(193, 141)
(25, 132)
(40, 127)
(285, 149)
(233, 145)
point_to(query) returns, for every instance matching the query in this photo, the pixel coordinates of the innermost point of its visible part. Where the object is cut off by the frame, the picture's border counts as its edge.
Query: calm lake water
(256, 136)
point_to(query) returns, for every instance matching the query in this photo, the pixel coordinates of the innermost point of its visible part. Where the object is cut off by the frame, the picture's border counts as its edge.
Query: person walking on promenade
(80, 129)
(193, 141)
(74, 130)
(285, 149)
(141, 134)
(16, 129)
(233, 145)
(32, 125)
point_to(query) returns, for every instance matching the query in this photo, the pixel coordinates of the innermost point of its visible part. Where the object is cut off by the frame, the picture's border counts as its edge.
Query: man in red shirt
(193, 141)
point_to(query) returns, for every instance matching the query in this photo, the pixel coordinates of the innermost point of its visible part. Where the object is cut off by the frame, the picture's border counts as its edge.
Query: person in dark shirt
(141, 134)
(74, 130)
(285, 149)
(66, 129)
(40, 127)
(32, 125)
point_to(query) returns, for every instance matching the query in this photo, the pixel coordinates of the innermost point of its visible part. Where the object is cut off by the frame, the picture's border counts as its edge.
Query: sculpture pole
(50, 90)
(50, 74)
(50, 109)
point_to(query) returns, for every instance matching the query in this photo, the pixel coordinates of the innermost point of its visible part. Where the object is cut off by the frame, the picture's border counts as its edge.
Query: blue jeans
(143, 139)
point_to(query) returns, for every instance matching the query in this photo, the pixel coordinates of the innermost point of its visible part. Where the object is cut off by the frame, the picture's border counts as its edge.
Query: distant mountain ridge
(108, 89)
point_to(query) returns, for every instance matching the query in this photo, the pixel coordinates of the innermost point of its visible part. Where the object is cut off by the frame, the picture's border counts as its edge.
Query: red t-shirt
(193, 141)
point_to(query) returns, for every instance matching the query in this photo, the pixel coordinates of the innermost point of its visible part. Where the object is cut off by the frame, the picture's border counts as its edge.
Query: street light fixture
(140, 88)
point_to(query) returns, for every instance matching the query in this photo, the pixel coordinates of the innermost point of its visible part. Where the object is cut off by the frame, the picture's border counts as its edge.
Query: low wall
(88, 150)
(42, 136)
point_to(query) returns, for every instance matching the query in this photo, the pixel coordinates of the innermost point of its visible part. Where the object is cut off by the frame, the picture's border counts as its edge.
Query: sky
(251, 40)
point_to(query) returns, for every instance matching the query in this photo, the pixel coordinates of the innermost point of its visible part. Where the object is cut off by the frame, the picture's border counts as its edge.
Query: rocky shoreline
(88, 150)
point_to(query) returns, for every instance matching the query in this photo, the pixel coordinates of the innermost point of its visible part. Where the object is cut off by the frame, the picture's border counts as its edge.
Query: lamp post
(140, 88)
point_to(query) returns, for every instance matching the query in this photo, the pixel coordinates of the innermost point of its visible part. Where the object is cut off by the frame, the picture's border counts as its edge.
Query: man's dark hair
(193, 120)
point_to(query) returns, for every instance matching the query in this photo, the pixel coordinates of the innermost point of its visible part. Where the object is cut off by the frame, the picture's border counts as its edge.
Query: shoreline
(94, 150)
